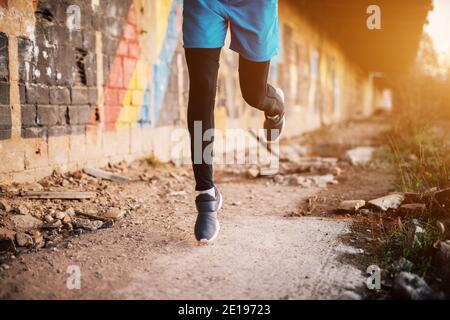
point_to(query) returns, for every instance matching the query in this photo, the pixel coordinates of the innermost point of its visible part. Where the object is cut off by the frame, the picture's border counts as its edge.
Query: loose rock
(22, 210)
(49, 219)
(59, 215)
(90, 225)
(351, 205)
(392, 201)
(23, 239)
(253, 172)
(25, 222)
(70, 212)
(361, 155)
(114, 214)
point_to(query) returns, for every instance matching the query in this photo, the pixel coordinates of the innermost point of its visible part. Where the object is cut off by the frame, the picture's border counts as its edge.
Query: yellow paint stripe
(134, 97)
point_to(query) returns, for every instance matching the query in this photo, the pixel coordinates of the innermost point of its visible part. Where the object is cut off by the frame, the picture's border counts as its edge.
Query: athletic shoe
(207, 225)
(274, 125)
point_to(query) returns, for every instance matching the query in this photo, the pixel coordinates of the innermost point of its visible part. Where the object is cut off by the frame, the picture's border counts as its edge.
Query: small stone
(70, 212)
(90, 225)
(38, 238)
(65, 183)
(67, 219)
(409, 286)
(278, 179)
(365, 212)
(5, 206)
(253, 172)
(56, 224)
(391, 201)
(59, 215)
(21, 210)
(49, 219)
(114, 213)
(5, 266)
(412, 209)
(176, 194)
(361, 155)
(35, 187)
(336, 171)
(23, 239)
(351, 205)
(25, 222)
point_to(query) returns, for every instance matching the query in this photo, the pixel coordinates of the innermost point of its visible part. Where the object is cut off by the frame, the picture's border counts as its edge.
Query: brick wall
(113, 84)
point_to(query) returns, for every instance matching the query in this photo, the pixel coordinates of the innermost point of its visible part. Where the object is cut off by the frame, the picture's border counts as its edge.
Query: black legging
(203, 65)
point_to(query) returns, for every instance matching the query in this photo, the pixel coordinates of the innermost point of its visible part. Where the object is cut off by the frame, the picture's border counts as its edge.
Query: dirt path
(260, 254)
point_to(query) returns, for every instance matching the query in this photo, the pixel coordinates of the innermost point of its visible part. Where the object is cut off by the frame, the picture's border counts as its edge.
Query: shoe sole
(281, 132)
(205, 241)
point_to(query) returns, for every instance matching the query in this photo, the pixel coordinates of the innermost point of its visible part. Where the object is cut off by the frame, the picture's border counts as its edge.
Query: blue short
(253, 24)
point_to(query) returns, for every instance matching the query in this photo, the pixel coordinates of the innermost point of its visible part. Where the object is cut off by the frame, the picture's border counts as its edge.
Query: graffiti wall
(85, 82)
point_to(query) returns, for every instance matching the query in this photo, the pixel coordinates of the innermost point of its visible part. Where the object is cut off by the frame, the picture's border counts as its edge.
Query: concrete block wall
(87, 82)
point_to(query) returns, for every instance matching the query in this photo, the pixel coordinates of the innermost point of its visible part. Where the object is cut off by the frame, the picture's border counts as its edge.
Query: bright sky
(439, 26)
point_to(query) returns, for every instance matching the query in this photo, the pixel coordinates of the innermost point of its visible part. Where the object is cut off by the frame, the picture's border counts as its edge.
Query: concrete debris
(409, 286)
(360, 156)
(70, 212)
(60, 215)
(268, 171)
(412, 209)
(102, 174)
(253, 172)
(392, 201)
(114, 213)
(293, 153)
(67, 195)
(21, 210)
(351, 205)
(23, 239)
(90, 225)
(181, 193)
(25, 222)
(49, 219)
(313, 181)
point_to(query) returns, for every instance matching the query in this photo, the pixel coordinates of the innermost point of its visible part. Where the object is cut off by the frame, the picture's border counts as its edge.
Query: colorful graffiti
(136, 85)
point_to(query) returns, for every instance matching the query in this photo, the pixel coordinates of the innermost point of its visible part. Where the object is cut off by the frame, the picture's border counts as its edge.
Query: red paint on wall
(122, 69)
